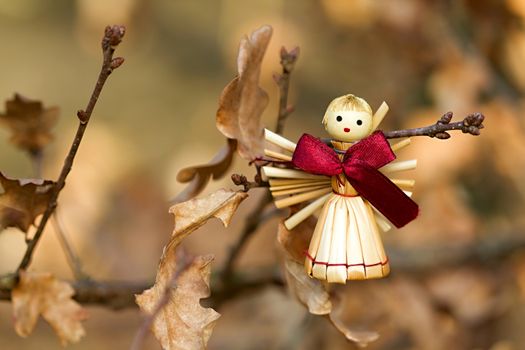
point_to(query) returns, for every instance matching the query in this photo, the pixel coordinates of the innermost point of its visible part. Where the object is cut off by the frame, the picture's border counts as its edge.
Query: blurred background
(157, 115)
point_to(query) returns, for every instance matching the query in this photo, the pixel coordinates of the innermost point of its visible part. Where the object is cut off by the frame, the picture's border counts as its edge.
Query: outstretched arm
(471, 125)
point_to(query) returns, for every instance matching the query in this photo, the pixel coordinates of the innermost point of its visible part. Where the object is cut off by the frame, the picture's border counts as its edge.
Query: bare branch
(112, 37)
(288, 59)
(118, 295)
(472, 124)
(241, 180)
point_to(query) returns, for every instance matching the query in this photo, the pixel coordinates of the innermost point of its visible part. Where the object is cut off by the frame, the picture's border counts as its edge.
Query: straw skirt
(346, 243)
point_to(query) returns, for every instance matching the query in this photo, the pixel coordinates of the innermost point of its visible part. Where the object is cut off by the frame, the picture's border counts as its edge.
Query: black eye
(339, 118)
(359, 122)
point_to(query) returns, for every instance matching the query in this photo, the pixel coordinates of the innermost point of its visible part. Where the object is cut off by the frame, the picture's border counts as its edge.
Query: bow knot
(360, 165)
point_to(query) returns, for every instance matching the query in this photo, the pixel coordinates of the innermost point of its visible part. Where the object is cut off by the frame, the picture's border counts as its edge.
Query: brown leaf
(183, 323)
(296, 242)
(29, 122)
(194, 213)
(199, 175)
(309, 291)
(23, 200)
(360, 337)
(242, 101)
(42, 294)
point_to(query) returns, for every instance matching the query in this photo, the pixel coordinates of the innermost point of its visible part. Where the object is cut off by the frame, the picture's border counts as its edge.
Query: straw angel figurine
(347, 179)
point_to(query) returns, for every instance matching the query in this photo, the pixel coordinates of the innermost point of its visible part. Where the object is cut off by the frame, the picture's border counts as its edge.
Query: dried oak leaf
(40, 293)
(23, 200)
(192, 214)
(309, 291)
(29, 122)
(243, 101)
(360, 337)
(199, 175)
(183, 323)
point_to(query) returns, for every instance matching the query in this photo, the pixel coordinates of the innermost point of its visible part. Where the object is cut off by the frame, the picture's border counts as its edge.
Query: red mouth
(346, 129)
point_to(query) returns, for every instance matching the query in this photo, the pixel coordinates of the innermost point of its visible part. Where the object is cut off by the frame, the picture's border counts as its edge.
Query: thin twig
(241, 180)
(112, 37)
(71, 255)
(470, 125)
(288, 59)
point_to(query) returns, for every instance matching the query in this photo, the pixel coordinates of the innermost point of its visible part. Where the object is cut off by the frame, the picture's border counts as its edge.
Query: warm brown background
(156, 115)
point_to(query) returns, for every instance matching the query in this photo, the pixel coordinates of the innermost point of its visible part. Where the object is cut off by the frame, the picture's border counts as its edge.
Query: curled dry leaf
(295, 243)
(360, 337)
(311, 292)
(23, 200)
(199, 175)
(40, 293)
(183, 323)
(29, 122)
(243, 101)
(194, 213)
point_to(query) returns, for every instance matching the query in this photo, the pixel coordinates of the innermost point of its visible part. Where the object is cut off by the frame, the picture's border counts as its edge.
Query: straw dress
(346, 243)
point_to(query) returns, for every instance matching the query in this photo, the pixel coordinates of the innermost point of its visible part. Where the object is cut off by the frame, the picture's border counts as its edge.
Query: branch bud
(113, 36)
(116, 62)
(82, 116)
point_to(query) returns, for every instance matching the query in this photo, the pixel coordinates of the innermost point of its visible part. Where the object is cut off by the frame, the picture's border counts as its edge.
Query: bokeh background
(156, 115)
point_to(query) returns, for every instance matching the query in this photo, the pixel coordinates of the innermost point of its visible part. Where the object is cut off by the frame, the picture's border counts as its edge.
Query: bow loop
(374, 150)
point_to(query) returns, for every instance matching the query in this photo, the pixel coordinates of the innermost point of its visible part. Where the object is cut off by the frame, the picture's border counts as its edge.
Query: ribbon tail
(383, 194)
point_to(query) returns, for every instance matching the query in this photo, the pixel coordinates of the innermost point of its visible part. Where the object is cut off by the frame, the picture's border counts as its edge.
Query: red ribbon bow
(360, 164)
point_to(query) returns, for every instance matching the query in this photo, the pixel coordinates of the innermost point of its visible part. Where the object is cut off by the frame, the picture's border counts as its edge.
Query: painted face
(348, 126)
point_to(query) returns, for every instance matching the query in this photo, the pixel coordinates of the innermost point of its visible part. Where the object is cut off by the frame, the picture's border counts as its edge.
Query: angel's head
(348, 118)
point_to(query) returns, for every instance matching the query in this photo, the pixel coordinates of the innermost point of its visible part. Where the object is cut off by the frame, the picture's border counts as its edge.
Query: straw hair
(347, 103)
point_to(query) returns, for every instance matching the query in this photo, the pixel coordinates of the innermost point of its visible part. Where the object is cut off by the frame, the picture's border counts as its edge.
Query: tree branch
(288, 59)
(112, 37)
(470, 125)
(118, 295)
